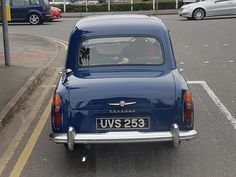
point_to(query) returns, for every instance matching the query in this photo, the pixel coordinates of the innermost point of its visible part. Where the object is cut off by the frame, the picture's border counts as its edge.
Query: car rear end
(56, 13)
(103, 113)
(46, 11)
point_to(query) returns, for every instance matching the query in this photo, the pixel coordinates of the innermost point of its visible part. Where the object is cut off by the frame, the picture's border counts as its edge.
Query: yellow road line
(25, 126)
(63, 43)
(20, 164)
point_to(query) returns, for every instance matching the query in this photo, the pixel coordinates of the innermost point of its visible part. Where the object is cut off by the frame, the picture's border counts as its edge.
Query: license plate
(123, 123)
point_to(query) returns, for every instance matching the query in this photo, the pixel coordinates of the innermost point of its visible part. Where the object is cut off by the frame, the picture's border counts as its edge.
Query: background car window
(121, 51)
(20, 2)
(34, 2)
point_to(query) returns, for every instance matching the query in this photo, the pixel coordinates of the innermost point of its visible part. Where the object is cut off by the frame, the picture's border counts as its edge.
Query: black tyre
(35, 19)
(199, 14)
(77, 146)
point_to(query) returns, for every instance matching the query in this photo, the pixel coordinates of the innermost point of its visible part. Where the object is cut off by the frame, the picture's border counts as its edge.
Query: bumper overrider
(71, 137)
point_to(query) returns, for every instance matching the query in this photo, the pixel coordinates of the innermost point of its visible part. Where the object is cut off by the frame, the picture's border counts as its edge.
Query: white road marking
(186, 46)
(182, 63)
(195, 82)
(226, 44)
(205, 45)
(206, 62)
(217, 101)
(44, 86)
(231, 61)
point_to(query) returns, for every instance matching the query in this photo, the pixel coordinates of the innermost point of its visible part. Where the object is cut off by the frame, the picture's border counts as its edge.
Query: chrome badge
(122, 103)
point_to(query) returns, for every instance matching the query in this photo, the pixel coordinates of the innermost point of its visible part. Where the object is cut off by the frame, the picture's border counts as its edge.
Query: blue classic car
(121, 85)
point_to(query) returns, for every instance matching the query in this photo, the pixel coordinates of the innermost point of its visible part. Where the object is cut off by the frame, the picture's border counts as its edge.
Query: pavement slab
(29, 58)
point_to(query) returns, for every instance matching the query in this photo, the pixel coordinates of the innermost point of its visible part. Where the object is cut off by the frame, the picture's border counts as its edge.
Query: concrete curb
(20, 97)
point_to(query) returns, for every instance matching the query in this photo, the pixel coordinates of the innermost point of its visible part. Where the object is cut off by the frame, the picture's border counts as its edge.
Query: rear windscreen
(121, 51)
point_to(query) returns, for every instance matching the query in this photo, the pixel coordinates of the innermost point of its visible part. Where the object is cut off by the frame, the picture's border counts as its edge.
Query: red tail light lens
(57, 102)
(57, 118)
(188, 109)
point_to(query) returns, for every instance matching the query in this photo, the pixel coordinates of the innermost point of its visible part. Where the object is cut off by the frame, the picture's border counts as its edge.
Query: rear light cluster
(188, 109)
(57, 117)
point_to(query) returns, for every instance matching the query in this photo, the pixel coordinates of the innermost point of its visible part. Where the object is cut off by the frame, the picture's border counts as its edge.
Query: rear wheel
(35, 19)
(198, 14)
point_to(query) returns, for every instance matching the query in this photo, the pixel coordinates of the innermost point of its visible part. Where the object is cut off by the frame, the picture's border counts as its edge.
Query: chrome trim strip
(123, 137)
(122, 103)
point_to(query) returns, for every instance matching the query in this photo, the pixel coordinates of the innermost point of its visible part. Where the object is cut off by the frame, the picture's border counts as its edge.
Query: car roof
(120, 25)
(121, 17)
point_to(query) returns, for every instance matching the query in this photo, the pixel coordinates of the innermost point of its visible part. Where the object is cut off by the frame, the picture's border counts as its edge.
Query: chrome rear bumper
(72, 137)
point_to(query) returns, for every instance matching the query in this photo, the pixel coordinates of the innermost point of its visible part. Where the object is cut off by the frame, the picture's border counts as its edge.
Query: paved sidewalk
(29, 57)
(150, 12)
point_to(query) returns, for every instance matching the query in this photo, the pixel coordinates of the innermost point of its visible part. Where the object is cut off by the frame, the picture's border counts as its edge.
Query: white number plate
(123, 123)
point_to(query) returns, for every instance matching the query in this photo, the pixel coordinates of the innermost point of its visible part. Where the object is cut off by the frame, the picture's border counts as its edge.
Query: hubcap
(34, 19)
(199, 14)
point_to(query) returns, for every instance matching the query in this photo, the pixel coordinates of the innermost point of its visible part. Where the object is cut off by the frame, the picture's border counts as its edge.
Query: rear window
(121, 51)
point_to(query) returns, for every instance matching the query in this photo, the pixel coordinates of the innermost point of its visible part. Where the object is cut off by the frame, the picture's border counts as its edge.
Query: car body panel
(221, 7)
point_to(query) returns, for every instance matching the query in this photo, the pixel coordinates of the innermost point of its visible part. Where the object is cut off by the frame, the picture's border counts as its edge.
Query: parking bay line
(217, 101)
(25, 126)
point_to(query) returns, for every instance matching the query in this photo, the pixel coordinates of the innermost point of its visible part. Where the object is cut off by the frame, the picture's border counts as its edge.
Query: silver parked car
(208, 8)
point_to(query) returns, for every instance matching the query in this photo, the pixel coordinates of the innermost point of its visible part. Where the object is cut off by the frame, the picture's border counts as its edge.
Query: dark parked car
(121, 85)
(33, 11)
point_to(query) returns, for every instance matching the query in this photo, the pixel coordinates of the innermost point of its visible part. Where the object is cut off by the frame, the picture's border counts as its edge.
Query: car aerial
(208, 8)
(55, 12)
(33, 11)
(120, 84)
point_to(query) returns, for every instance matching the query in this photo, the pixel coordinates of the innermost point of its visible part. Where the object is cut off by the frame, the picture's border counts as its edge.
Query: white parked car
(208, 8)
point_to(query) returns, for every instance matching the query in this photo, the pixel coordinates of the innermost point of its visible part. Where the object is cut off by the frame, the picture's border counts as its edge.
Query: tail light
(188, 109)
(57, 117)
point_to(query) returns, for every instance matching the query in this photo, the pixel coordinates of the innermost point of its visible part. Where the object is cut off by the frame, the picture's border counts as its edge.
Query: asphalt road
(206, 51)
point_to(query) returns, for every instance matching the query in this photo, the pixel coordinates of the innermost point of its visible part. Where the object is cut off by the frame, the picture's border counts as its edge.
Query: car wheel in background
(35, 19)
(198, 14)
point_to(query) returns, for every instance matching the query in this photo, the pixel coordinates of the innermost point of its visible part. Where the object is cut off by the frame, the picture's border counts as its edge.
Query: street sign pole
(5, 34)
(64, 6)
(131, 3)
(109, 5)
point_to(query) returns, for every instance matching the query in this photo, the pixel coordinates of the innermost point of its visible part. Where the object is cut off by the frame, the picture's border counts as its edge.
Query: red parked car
(55, 12)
